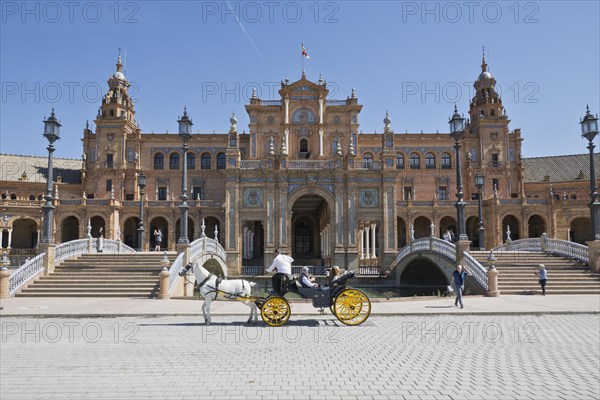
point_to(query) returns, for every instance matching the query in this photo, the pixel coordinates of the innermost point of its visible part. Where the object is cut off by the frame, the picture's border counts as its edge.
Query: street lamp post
(52, 134)
(457, 130)
(589, 130)
(185, 133)
(140, 229)
(479, 183)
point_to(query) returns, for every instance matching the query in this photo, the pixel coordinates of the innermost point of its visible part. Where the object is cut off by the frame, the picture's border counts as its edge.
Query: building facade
(304, 180)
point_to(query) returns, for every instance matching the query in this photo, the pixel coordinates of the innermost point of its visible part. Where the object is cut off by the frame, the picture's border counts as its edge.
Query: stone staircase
(516, 273)
(102, 275)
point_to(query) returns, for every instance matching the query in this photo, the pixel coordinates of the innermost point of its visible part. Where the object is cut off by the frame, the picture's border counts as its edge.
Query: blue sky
(414, 59)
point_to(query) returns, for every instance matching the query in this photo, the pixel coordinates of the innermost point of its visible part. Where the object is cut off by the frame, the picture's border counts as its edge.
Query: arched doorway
(581, 230)
(401, 233)
(130, 236)
(24, 235)
(69, 229)
(422, 227)
(163, 225)
(537, 226)
(310, 217)
(472, 226)
(210, 224)
(510, 221)
(422, 277)
(97, 223)
(190, 233)
(447, 224)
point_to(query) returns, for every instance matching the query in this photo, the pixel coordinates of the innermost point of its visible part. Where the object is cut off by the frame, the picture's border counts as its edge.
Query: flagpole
(302, 56)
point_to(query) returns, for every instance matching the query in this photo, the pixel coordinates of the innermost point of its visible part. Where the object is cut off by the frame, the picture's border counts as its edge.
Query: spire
(484, 66)
(119, 63)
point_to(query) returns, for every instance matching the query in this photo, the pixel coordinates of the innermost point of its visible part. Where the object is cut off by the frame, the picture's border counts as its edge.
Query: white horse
(211, 287)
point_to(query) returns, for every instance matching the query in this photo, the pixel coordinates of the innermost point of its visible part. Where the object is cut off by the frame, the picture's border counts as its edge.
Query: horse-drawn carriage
(350, 306)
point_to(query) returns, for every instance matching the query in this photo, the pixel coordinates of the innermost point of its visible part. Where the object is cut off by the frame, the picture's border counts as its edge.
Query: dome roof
(119, 75)
(485, 75)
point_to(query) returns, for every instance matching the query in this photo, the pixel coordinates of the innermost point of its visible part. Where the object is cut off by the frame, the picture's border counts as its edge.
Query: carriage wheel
(352, 307)
(275, 311)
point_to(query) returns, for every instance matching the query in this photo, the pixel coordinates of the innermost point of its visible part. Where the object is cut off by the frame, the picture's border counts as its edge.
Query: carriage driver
(283, 265)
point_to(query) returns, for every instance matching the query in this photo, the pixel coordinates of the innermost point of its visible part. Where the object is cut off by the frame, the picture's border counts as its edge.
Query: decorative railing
(70, 202)
(31, 269)
(312, 269)
(336, 102)
(369, 270)
(311, 164)
(197, 248)
(477, 271)
(444, 248)
(375, 165)
(252, 270)
(562, 248)
(95, 202)
(25, 273)
(251, 164)
(270, 102)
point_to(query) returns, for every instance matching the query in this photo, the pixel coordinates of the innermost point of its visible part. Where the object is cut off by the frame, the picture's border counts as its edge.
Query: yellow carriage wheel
(275, 311)
(352, 307)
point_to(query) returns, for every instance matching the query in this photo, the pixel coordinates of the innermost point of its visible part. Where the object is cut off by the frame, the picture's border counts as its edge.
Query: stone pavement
(388, 357)
(94, 307)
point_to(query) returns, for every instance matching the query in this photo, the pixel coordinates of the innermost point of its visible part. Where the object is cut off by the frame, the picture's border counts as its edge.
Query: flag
(304, 53)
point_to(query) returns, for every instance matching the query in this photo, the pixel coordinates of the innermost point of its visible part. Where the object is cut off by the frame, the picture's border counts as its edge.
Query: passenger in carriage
(306, 281)
(334, 273)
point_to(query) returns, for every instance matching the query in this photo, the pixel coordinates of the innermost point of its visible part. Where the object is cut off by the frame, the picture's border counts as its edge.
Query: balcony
(495, 164)
(375, 165)
(311, 164)
(252, 164)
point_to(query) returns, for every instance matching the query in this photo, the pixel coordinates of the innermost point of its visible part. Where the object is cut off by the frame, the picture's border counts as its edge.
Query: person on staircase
(542, 275)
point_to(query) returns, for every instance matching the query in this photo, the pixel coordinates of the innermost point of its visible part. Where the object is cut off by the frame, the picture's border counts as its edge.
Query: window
(429, 161)
(221, 161)
(368, 161)
(303, 116)
(495, 160)
(303, 146)
(205, 161)
(415, 161)
(474, 196)
(13, 196)
(129, 197)
(443, 193)
(191, 161)
(159, 161)
(495, 185)
(174, 161)
(112, 113)
(446, 161)
(399, 161)
(408, 193)
(162, 193)
(109, 185)
(110, 161)
(197, 191)
(473, 153)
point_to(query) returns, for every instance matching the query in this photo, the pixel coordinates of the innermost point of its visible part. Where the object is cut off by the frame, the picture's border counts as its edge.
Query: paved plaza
(313, 357)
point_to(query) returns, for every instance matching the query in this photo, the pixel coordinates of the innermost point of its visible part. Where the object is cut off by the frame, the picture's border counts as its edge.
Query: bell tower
(113, 150)
(491, 147)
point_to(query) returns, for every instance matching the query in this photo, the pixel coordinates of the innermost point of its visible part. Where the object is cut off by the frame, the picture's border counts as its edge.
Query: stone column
(251, 246)
(492, 276)
(320, 142)
(373, 228)
(10, 238)
(245, 243)
(361, 249)
(367, 229)
(163, 293)
(594, 255)
(1, 237)
(48, 259)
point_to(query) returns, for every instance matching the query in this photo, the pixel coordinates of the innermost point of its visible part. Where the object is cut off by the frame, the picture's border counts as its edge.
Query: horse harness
(229, 296)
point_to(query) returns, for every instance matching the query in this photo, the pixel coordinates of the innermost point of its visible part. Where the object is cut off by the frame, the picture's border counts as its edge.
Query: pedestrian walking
(542, 275)
(459, 276)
